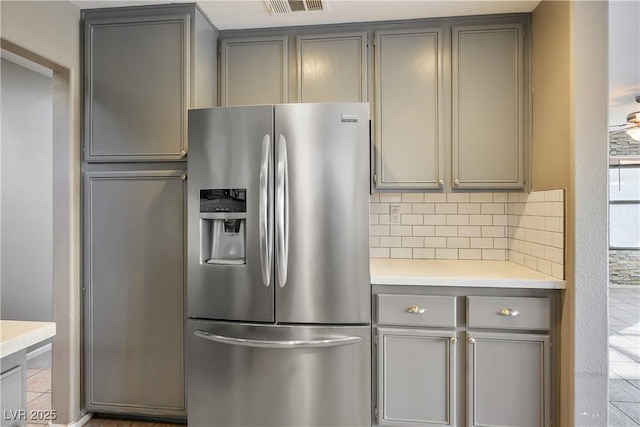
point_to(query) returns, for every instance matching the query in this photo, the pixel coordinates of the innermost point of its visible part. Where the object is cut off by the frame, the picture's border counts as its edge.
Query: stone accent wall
(620, 144)
(624, 267)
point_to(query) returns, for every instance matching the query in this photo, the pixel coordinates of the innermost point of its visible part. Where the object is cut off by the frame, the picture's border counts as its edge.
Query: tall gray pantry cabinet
(144, 67)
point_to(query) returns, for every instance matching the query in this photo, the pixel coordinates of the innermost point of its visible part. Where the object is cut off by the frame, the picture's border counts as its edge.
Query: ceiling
(624, 15)
(241, 14)
(624, 59)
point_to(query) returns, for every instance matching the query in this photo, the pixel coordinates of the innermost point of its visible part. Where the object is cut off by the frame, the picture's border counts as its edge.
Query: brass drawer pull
(508, 312)
(414, 309)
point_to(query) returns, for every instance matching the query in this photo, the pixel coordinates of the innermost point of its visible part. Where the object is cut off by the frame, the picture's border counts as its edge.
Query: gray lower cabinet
(134, 284)
(461, 357)
(417, 361)
(13, 390)
(509, 361)
(508, 378)
(416, 377)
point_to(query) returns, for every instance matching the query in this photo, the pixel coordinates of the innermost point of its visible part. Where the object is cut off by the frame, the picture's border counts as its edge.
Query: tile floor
(39, 397)
(624, 356)
(95, 422)
(39, 387)
(624, 369)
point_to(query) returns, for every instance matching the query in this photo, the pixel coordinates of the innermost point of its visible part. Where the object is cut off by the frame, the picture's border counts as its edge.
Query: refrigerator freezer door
(322, 158)
(231, 148)
(263, 375)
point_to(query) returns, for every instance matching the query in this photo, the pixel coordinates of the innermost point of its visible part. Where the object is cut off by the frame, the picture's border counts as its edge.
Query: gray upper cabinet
(451, 107)
(254, 71)
(13, 389)
(488, 104)
(134, 292)
(140, 79)
(410, 118)
(332, 67)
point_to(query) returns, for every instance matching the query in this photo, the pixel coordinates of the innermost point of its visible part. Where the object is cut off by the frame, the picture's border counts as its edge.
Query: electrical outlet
(395, 214)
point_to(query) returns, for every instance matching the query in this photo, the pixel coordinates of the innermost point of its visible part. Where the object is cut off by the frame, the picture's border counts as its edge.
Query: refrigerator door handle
(282, 211)
(247, 342)
(266, 231)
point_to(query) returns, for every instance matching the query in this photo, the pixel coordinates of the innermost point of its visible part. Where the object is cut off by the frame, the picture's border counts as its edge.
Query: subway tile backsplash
(525, 228)
(536, 231)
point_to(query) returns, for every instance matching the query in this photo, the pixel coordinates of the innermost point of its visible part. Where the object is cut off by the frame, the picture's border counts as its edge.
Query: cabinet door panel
(254, 71)
(134, 280)
(332, 68)
(409, 96)
(136, 88)
(508, 379)
(488, 106)
(416, 377)
(13, 380)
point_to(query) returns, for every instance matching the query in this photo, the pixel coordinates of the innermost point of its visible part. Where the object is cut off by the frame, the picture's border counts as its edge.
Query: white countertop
(17, 335)
(486, 274)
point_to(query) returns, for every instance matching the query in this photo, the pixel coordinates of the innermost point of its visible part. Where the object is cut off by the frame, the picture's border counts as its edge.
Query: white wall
(48, 33)
(26, 202)
(587, 207)
(570, 150)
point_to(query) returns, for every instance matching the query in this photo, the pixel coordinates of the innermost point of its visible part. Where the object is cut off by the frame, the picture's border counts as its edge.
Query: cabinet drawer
(417, 310)
(508, 313)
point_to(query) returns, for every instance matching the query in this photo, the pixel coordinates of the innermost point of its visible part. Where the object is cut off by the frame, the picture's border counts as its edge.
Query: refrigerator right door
(321, 214)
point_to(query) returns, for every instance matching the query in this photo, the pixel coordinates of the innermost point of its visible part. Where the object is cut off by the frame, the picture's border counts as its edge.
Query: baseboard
(82, 421)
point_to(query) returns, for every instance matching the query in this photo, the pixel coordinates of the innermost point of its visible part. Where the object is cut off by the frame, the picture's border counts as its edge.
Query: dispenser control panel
(223, 200)
(223, 215)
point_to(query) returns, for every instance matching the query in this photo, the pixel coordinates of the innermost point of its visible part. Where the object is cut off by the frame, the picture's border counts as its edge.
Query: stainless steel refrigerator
(279, 304)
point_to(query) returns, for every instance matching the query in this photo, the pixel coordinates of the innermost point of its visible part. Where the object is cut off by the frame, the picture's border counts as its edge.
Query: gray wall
(26, 194)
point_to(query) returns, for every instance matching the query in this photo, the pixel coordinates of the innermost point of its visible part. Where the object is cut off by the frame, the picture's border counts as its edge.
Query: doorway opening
(51, 202)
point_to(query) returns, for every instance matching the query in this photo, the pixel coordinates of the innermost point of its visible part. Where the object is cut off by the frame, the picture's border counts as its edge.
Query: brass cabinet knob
(508, 312)
(414, 309)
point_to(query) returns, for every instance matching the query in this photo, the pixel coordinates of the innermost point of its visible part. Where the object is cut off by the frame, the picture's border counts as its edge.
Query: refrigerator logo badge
(349, 118)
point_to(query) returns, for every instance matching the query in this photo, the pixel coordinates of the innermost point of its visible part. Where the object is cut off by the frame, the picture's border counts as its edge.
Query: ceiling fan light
(634, 118)
(634, 133)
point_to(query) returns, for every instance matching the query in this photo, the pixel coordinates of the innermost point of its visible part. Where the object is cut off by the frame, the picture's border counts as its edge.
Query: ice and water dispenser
(223, 221)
